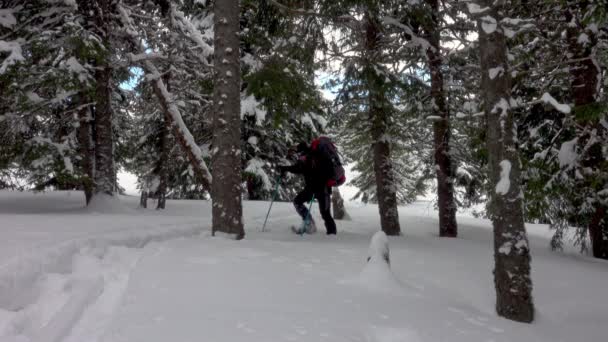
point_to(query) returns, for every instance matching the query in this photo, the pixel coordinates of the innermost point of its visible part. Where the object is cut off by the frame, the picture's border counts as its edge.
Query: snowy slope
(122, 282)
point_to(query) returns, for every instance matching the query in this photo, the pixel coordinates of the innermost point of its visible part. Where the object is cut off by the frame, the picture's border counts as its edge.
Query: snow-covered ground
(71, 274)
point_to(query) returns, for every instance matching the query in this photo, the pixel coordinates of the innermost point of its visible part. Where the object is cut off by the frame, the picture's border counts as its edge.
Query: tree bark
(511, 249)
(164, 156)
(227, 211)
(338, 205)
(597, 232)
(105, 175)
(86, 149)
(143, 199)
(585, 81)
(441, 130)
(379, 115)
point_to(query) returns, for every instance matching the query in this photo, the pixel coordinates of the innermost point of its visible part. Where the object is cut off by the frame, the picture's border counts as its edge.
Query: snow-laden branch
(135, 58)
(546, 98)
(415, 40)
(346, 19)
(186, 26)
(170, 108)
(15, 54)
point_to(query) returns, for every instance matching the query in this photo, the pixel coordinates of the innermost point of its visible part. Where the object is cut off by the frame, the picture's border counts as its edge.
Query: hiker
(315, 164)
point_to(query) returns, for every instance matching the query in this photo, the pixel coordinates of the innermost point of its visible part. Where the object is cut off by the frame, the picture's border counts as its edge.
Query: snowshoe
(309, 228)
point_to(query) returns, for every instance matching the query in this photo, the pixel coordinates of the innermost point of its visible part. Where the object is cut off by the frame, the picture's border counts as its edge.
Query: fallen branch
(170, 109)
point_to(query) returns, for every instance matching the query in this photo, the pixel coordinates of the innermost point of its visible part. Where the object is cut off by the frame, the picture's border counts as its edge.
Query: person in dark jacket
(315, 185)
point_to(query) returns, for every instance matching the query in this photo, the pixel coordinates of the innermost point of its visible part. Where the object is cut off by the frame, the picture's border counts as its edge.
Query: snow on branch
(180, 129)
(476, 9)
(310, 13)
(513, 104)
(415, 40)
(195, 35)
(135, 58)
(15, 54)
(169, 106)
(547, 98)
(7, 19)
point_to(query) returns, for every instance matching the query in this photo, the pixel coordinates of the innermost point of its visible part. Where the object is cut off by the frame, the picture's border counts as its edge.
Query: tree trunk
(597, 232)
(227, 209)
(86, 149)
(441, 130)
(585, 81)
(143, 199)
(104, 149)
(164, 156)
(379, 115)
(511, 249)
(97, 14)
(338, 205)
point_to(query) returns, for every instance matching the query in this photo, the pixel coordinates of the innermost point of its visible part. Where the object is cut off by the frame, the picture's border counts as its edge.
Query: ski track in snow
(150, 277)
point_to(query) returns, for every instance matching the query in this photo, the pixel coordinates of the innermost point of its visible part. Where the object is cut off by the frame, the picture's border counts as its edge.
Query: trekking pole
(274, 196)
(308, 216)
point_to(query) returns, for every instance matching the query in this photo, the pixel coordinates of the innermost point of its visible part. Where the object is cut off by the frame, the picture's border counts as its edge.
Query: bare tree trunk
(585, 84)
(86, 149)
(441, 130)
(511, 249)
(105, 175)
(143, 199)
(164, 156)
(338, 205)
(379, 115)
(597, 232)
(227, 209)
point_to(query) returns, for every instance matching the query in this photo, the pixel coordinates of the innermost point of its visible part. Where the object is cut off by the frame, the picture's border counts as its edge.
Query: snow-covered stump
(377, 275)
(338, 205)
(378, 249)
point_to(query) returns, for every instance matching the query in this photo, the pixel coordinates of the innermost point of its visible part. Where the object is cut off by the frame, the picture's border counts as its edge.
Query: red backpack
(326, 155)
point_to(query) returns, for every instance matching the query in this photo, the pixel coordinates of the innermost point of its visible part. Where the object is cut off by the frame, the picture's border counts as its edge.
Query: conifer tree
(511, 248)
(226, 148)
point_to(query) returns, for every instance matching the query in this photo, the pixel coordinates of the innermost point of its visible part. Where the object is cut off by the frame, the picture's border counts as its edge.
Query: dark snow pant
(324, 197)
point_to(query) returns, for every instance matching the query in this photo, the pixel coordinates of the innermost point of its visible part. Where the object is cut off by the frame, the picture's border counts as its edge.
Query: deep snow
(74, 275)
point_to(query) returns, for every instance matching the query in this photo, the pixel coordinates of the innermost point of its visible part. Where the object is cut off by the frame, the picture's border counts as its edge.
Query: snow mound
(377, 275)
(378, 248)
(106, 204)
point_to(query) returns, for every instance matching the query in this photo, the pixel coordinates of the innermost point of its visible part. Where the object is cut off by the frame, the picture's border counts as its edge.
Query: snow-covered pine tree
(378, 100)
(98, 20)
(51, 89)
(226, 145)
(281, 104)
(562, 187)
(147, 23)
(511, 248)
(583, 21)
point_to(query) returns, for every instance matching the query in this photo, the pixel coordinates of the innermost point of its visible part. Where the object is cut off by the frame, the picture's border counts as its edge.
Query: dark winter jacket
(313, 175)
